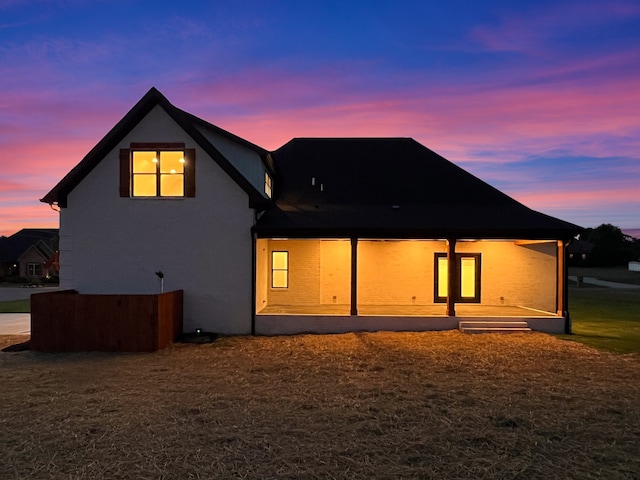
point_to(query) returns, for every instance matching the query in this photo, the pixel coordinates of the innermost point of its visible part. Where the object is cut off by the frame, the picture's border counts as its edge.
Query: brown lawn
(357, 406)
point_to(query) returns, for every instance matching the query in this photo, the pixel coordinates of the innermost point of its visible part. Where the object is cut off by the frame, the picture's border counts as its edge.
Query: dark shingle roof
(12, 247)
(391, 187)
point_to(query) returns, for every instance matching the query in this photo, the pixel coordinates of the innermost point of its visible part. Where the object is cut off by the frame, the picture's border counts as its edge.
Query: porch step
(469, 326)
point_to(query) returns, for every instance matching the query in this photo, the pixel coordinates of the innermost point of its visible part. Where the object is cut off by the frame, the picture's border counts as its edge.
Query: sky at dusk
(541, 99)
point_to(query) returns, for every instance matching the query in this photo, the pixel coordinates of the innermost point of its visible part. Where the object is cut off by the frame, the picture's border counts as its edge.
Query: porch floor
(462, 310)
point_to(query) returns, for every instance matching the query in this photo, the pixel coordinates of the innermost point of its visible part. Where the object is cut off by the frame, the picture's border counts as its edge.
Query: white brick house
(322, 235)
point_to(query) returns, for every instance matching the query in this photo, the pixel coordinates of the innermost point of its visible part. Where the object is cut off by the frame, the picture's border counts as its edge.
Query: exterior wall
(304, 273)
(335, 272)
(203, 245)
(396, 272)
(246, 161)
(291, 324)
(523, 275)
(319, 270)
(262, 275)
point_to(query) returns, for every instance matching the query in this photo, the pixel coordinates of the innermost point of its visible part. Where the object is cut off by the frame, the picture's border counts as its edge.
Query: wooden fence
(66, 321)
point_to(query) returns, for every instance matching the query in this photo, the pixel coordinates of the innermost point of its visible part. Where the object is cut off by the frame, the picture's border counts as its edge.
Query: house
(579, 252)
(321, 235)
(29, 254)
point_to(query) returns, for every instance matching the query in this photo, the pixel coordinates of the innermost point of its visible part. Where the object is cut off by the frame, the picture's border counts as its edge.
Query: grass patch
(16, 306)
(606, 318)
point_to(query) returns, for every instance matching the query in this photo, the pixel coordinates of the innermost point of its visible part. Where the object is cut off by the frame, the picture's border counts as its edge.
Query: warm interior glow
(144, 186)
(171, 161)
(279, 269)
(468, 277)
(443, 276)
(171, 174)
(143, 162)
(147, 165)
(268, 186)
(171, 185)
(144, 174)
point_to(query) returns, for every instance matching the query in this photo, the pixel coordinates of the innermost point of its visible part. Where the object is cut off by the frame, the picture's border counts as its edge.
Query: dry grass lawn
(357, 406)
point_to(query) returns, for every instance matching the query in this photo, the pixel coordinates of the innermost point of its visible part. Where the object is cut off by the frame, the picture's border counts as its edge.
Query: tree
(611, 246)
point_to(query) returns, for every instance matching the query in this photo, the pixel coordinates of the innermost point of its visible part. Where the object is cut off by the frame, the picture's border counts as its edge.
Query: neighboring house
(321, 235)
(28, 253)
(579, 252)
(634, 266)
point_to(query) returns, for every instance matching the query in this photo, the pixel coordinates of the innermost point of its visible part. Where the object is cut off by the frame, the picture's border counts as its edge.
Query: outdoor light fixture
(198, 331)
(161, 277)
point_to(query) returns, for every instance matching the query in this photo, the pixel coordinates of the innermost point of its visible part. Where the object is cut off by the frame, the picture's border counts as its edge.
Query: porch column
(562, 291)
(354, 276)
(452, 277)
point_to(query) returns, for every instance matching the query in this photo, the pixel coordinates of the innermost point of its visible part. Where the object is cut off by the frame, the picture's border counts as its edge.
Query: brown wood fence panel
(69, 321)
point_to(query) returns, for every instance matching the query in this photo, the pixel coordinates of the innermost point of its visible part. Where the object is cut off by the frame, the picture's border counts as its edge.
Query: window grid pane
(172, 185)
(468, 277)
(443, 276)
(144, 185)
(158, 173)
(280, 269)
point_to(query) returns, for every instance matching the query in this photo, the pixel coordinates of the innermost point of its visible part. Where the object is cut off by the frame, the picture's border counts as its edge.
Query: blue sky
(539, 99)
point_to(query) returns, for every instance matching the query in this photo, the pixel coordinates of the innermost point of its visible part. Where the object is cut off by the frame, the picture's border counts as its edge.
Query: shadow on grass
(607, 319)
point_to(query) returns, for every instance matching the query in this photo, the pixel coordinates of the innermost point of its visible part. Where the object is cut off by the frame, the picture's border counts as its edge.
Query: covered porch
(339, 285)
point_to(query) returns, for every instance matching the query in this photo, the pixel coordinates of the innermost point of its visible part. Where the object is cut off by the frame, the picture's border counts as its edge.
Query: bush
(18, 280)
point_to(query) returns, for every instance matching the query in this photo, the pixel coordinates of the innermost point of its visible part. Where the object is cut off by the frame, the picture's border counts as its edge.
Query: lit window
(279, 269)
(157, 173)
(268, 184)
(468, 277)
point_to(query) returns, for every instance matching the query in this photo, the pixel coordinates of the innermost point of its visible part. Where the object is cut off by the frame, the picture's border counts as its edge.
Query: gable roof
(390, 188)
(186, 121)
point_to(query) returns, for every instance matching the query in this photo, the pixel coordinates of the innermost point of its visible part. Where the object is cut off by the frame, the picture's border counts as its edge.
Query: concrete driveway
(18, 323)
(21, 293)
(15, 323)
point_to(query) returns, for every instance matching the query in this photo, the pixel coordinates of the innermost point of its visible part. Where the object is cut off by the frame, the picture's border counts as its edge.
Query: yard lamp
(161, 277)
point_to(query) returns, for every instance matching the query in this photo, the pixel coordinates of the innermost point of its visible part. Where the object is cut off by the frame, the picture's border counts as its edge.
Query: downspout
(254, 240)
(565, 292)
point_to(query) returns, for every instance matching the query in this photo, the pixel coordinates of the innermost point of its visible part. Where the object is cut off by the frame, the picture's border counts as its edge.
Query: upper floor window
(157, 170)
(157, 173)
(268, 184)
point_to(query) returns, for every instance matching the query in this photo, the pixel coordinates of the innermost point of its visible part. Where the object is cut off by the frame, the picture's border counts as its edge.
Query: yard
(361, 405)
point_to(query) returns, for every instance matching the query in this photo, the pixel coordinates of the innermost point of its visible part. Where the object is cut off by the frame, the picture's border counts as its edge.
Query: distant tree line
(611, 247)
